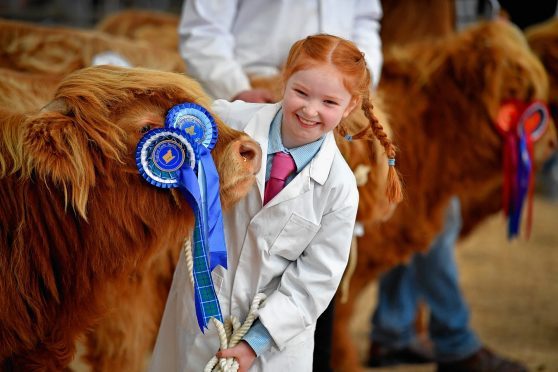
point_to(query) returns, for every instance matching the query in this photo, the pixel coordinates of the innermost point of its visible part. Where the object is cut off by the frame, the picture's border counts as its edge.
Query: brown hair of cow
(56, 50)
(79, 224)
(345, 56)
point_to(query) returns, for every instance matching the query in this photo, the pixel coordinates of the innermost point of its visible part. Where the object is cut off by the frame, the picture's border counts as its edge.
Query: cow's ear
(58, 151)
(493, 62)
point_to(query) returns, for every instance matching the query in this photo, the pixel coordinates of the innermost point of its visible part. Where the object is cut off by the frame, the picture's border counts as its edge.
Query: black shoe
(380, 356)
(483, 360)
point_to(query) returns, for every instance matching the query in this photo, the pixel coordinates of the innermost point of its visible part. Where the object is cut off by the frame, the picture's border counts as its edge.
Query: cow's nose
(251, 153)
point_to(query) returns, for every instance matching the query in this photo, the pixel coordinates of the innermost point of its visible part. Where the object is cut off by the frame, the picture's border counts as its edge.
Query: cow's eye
(145, 128)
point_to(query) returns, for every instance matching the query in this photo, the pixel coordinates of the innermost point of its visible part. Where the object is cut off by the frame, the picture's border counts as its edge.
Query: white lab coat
(225, 41)
(294, 249)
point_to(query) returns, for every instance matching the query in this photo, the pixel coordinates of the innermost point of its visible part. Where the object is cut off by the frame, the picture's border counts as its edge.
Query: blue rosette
(178, 156)
(162, 152)
(194, 120)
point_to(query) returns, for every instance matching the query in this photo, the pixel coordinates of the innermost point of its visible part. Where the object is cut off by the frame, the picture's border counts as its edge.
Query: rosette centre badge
(168, 156)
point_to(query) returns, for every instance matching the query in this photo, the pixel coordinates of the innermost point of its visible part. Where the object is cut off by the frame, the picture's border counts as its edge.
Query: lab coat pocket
(295, 236)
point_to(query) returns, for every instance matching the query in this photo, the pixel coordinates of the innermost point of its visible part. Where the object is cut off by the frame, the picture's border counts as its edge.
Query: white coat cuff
(281, 318)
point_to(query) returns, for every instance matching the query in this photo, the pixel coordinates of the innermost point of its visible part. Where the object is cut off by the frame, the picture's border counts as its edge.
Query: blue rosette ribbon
(199, 124)
(176, 156)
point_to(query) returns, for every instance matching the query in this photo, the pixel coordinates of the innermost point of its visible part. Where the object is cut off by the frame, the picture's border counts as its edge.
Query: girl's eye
(330, 102)
(145, 128)
(302, 93)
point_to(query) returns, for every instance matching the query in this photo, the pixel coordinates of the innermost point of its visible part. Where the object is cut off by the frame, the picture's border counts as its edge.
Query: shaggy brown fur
(442, 98)
(60, 50)
(125, 334)
(407, 21)
(543, 40)
(158, 28)
(25, 91)
(77, 220)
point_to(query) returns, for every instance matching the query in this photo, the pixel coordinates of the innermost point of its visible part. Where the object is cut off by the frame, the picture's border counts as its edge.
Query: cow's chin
(234, 191)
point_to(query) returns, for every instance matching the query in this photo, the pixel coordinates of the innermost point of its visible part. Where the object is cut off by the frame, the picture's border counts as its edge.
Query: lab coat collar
(321, 164)
(318, 169)
(258, 129)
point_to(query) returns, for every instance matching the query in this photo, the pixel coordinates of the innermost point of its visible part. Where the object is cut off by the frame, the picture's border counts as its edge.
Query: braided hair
(345, 56)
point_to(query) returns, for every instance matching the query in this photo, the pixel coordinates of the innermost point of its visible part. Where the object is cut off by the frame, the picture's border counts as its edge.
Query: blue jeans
(433, 278)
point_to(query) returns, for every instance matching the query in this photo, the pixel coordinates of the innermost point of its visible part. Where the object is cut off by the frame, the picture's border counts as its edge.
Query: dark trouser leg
(323, 338)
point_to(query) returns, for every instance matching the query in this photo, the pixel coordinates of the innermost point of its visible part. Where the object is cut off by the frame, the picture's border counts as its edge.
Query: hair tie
(391, 162)
(348, 137)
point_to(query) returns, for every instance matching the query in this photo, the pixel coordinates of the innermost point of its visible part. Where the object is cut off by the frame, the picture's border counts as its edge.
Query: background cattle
(543, 40)
(401, 23)
(28, 47)
(26, 91)
(443, 98)
(79, 224)
(157, 28)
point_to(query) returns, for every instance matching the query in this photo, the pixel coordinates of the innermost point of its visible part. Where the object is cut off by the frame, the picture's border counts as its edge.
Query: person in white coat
(295, 247)
(225, 42)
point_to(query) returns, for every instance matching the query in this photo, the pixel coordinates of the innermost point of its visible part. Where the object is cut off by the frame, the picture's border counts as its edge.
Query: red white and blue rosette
(520, 124)
(194, 120)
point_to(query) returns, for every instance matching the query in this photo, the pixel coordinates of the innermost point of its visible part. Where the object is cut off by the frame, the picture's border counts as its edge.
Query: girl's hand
(243, 353)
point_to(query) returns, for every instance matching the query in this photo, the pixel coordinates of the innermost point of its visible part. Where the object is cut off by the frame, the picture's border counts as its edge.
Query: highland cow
(26, 91)
(78, 223)
(443, 98)
(28, 47)
(157, 28)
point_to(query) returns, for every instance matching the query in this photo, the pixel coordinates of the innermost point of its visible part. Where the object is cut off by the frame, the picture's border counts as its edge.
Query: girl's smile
(306, 122)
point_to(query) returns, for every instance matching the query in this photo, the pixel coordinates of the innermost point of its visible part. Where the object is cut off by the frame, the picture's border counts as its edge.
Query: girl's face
(314, 103)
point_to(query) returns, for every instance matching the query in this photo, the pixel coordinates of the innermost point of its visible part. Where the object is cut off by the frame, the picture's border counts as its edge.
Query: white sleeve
(366, 35)
(309, 283)
(235, 114)
(207, 46)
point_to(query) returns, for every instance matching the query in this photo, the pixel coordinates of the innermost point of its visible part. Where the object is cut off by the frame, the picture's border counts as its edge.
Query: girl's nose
(310, 110)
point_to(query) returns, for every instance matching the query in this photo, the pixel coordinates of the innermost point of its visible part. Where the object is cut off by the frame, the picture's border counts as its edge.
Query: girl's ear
(351, 106)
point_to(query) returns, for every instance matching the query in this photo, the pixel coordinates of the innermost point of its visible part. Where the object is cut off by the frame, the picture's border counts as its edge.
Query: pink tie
(281, 166)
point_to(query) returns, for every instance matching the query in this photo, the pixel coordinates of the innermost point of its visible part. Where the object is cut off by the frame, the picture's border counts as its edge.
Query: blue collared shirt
(302, 155)
(257, 336)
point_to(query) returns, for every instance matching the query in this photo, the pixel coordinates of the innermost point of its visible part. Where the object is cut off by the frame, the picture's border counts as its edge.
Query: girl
(293, 245)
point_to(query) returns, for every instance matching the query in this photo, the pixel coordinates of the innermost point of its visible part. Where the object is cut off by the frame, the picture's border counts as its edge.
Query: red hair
(340, 53)
(345, 56)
